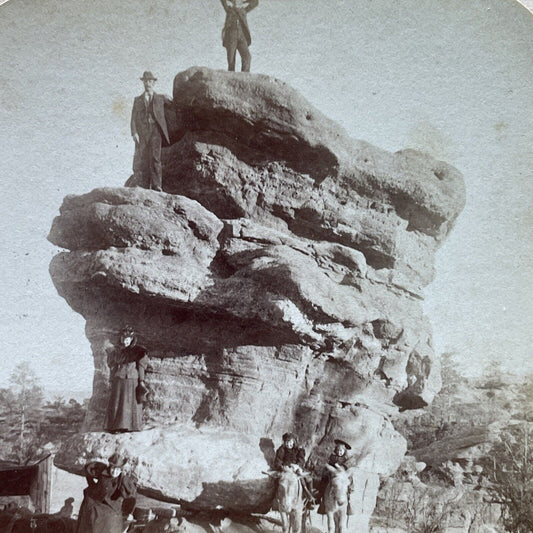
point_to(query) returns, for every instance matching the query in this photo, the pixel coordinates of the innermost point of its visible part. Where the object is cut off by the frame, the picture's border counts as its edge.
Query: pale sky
(451, 77)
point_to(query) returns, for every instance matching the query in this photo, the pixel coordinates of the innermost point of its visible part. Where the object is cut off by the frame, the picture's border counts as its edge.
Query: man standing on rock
(148, 129)
(236, 33)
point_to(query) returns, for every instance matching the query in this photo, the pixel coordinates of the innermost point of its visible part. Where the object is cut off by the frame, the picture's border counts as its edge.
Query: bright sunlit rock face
(276, 283)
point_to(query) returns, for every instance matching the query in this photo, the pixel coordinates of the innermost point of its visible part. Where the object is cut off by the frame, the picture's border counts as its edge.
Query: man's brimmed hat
(147, 75)
(117, 460)
(340, 441)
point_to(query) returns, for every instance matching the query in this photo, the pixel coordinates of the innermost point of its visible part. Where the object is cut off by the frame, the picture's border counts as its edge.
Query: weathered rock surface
(215, 468)
(467, 445)
(277, 284)
(407, 503)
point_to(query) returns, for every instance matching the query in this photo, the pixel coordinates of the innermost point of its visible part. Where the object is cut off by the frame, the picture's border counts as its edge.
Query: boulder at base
(200, 469)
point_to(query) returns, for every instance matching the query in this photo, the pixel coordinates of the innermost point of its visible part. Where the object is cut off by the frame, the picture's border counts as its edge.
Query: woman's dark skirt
(98, 517)
(123, 411)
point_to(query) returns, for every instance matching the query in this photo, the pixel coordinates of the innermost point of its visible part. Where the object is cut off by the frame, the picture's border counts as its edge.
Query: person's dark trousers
(238, 42)
(147, 159)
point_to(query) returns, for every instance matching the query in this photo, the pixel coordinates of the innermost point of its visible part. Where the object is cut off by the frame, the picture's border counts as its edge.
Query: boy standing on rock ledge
(148, 128)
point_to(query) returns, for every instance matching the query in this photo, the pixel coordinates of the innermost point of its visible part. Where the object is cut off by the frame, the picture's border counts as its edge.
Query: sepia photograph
(267, 266)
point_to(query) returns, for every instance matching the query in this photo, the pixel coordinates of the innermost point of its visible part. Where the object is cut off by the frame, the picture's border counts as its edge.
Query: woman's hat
(95, 469)
(117, 460)
(289, 436)
(127, 331)
(147, 75)
(340, 441)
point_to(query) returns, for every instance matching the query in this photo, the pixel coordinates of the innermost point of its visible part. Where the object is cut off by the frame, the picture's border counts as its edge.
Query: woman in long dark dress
(127, 364)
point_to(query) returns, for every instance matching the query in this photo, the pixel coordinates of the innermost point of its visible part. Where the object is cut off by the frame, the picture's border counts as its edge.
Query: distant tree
(451, 377)
(21, 404)
(524, 409)
(510, 469)
(27, 423)
(6, 399)
(452, 381)
(61, 420)
(58, 402)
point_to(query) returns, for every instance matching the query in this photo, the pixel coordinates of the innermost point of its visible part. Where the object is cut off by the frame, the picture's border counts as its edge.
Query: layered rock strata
(277, 284)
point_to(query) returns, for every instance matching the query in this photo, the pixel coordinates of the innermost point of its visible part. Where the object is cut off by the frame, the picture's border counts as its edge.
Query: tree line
(31, 425)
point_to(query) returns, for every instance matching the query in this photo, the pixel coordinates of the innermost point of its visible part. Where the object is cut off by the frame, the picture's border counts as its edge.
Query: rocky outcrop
(408, 503)
(276, 282)
(467, 445)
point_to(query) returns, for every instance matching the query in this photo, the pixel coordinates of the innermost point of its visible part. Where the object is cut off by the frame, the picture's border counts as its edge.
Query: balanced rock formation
(277, 284)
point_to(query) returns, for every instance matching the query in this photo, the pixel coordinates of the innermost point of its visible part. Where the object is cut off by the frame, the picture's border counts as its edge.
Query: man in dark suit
(236, 33)
(148, 129)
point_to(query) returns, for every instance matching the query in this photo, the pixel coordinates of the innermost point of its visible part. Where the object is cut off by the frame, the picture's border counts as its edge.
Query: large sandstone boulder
(276, 283)
(210, 468)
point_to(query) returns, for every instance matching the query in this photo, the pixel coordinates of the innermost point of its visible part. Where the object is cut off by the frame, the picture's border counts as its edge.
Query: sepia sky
(451, 77)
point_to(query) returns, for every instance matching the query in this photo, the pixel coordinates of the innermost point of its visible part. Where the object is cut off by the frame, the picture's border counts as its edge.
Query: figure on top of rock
(148, 129)
(127, 365)
(236, 32)
(108, 498)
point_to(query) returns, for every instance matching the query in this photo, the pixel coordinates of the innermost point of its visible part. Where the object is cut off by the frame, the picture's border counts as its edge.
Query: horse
(336, 498)
(290, 500)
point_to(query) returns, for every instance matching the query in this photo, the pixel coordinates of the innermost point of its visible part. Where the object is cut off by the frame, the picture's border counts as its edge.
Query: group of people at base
(291, 456)
(149, 128)
(109, 502)
(110, 496)
(109, 489)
